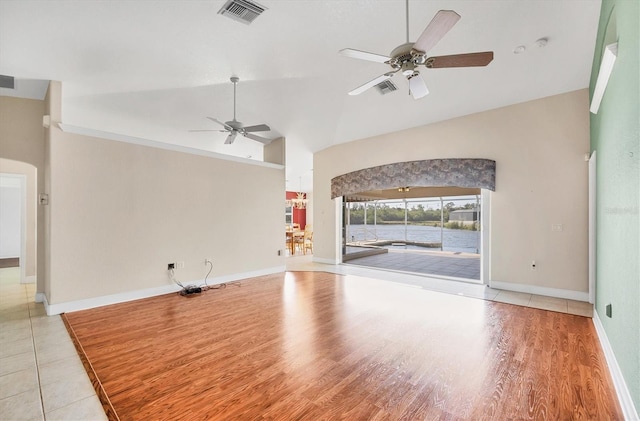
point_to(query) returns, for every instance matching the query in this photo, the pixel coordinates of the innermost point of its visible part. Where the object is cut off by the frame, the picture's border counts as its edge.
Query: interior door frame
(592, 227)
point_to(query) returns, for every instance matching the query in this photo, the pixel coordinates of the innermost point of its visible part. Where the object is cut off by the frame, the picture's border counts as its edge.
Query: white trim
(88, 303)
(485, 226)
(624, 396)
(549, 292)
(23, 228)
(326, 261)
(338, 207)
(592, 227)
(161, 145)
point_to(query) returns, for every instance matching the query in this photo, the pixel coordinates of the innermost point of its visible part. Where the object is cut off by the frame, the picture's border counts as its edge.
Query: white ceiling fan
(234, 127)
(407, 57)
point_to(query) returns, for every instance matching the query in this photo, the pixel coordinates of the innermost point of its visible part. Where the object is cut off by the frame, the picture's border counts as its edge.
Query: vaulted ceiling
(155, 69)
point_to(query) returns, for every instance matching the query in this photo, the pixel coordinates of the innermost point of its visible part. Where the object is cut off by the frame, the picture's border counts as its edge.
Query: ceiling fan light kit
(406, 58)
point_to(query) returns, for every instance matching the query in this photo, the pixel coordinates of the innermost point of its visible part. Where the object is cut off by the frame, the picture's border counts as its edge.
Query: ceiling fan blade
(226, 126)
(362, 88)
(363, 55)
(257, 138)
(257, 128)
(441, 23)
(418, 87)
(460, 60)
(231, 137)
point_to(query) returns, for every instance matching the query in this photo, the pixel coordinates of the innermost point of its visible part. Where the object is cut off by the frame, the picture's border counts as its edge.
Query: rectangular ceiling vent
(8, 82)
(244, 11)
(386, 87)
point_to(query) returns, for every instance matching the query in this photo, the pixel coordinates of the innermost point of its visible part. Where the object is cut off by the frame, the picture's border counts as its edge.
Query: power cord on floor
(207, 275)
(195, 289)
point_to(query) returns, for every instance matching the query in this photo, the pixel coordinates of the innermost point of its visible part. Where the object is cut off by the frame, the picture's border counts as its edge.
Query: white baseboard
(88, 303)
(326, 261)
(549, 292)
(624, 396)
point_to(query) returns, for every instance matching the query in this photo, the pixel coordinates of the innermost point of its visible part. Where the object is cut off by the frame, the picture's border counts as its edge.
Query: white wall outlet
(557, 227)
(180, 264)
(533, 265)
(279, 252)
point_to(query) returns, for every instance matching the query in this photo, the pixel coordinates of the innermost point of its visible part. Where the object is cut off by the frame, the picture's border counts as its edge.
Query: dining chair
(307, 241)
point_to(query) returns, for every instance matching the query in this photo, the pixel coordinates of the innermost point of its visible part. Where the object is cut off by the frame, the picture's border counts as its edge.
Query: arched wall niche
(455, 172)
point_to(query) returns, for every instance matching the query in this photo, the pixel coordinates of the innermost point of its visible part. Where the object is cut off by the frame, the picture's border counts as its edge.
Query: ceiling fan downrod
(234, 80)
(407, 18)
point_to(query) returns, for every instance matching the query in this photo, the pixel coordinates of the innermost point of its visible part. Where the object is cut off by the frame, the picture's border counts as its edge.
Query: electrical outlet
(279, 252)
(533, 265)
(171, 266)
(180, 264)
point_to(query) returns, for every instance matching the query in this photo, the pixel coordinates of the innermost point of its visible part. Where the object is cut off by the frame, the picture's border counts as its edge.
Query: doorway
(13, 222)
(430, 235)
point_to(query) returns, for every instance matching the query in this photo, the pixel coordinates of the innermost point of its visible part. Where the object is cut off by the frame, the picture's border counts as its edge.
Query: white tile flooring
(42, 378)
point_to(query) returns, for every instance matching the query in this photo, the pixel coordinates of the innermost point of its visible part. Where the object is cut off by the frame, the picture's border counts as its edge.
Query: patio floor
(438, 263)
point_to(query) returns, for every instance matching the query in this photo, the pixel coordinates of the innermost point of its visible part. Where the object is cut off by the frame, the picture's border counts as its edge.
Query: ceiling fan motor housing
(406, 58)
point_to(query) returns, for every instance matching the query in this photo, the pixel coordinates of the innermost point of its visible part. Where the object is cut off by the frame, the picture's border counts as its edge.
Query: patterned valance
(471, 173)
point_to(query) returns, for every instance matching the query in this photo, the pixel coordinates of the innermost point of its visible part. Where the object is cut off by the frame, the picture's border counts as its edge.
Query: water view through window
(447, 224)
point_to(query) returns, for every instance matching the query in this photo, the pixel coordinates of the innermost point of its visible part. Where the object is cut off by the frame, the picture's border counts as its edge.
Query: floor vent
(386, 87)
(8, 82)
(244, 11)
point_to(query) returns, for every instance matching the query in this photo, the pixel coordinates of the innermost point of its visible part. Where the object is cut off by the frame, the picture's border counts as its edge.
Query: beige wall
(541, 179)
(120, 212)
(22, 139)
(29, 171)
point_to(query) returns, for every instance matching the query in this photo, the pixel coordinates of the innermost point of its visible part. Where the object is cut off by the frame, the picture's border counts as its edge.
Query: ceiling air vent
(7, 82)
(244, 11)
(386, 87)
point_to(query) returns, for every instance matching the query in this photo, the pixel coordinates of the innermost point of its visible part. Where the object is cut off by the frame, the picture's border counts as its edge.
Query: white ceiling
(155, 69)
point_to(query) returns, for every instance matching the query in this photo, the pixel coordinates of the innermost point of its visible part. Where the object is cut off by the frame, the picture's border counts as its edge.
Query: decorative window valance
(471, 173)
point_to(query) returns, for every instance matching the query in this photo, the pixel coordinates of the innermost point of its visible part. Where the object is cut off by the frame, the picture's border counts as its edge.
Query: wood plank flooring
(320, 346)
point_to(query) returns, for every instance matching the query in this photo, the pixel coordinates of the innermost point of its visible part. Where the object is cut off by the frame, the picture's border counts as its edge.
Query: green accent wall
(615, 136)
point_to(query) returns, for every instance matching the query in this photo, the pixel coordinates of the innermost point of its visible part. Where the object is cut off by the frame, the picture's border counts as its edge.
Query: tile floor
(42, 378)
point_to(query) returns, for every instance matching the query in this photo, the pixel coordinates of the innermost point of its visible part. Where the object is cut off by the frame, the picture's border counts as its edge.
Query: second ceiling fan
(408, 57)
(234, 127)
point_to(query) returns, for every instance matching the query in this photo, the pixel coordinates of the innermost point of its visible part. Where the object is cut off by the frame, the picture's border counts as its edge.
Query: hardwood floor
(320, 346)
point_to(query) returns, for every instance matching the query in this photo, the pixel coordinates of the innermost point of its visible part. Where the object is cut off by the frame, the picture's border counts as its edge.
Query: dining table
(291, 235)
